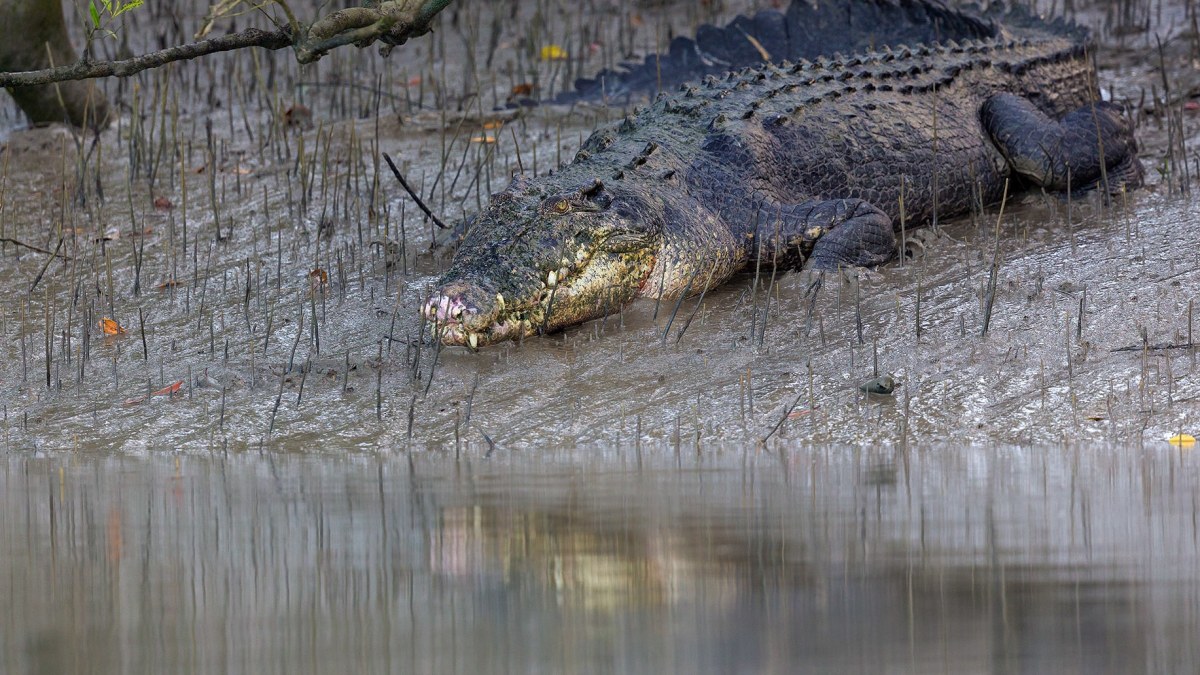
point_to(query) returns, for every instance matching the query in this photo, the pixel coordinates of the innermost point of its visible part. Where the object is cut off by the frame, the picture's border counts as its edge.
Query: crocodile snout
(460, 310)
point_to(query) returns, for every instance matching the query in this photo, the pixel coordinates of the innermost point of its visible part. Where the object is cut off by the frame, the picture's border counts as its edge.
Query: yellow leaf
(553, 53)
(111, 327)
(1182, 440)
(483, 139)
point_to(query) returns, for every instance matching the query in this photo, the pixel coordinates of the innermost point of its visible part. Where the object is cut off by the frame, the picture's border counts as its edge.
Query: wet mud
(239, 226)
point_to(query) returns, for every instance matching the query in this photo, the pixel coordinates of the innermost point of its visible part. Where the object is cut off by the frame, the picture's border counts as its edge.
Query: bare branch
(392, 23)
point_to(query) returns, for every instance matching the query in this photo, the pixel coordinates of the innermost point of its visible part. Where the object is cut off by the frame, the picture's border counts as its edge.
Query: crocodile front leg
(1092, 147)
(825, 234)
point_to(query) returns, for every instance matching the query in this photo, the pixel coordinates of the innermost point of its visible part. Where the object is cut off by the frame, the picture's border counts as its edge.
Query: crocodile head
(540, 258)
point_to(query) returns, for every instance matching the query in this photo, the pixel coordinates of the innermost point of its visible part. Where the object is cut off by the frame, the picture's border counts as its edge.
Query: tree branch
(392, 23)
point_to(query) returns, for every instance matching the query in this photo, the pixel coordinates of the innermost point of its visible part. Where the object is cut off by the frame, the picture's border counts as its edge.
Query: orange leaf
(523, 89)
(483, 139)
(318, 276)
(493, 124)
(163, 204)
(169, 389)
(169, 283)
(111, 327)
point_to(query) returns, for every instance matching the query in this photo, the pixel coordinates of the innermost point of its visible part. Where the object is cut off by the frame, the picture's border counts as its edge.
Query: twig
(1162, 346)
(392, 23)
(31, 247)
(411, 192)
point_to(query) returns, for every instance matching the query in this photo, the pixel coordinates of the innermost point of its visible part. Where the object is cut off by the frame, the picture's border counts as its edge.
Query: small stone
(883, 385)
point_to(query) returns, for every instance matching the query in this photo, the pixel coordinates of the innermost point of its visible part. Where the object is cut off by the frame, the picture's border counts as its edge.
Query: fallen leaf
(318, 278)
(111, 327)
(798, 414)
(169, 283)
(1192, 106)
(163, 204)
(483, 139)
(493, 124)
(413, 81)
(523, 89)
(297, 116)
(1182, 440)
(553, 53)
(169, 389)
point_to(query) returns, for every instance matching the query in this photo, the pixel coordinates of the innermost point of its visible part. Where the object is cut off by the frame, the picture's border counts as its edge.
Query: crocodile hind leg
(1092, 147)
(826, 234)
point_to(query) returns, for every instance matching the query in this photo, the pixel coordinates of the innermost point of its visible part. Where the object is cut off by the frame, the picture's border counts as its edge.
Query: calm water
(983, 561)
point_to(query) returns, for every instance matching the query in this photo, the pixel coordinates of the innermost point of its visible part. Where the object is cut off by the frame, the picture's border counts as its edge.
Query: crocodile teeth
(552, 279)
(473, 340)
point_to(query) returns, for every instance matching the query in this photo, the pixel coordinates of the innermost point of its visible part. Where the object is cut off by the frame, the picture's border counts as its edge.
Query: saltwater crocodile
(812, 162)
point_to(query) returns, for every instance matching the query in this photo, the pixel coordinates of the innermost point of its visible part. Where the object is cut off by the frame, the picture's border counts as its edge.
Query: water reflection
(816, 561)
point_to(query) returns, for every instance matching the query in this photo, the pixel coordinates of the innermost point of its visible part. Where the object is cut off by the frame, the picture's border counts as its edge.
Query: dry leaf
(318, 278)
(163, 204)
(169, 389)
(298, 116)
(111, 327)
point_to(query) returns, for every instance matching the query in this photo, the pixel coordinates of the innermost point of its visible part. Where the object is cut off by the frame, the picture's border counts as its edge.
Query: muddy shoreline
(277, 276)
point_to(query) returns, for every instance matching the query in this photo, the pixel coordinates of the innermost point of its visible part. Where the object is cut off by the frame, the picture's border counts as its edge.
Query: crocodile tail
(1019, 22)
(743, 42)
(804, 31)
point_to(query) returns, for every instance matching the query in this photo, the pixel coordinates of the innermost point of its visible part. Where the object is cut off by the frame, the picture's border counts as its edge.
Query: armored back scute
(805, 31)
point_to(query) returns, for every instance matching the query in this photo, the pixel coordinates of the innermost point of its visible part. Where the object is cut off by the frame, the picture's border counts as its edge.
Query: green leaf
(132, 4)
(95, 13)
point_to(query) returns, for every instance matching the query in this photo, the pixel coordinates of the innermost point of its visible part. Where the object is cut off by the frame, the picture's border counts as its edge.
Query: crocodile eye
(562, 206)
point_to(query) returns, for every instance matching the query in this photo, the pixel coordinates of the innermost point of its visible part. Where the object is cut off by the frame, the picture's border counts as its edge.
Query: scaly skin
(805, 162)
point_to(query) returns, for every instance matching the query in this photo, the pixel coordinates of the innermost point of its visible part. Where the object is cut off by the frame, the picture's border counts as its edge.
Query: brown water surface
(812, 561)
